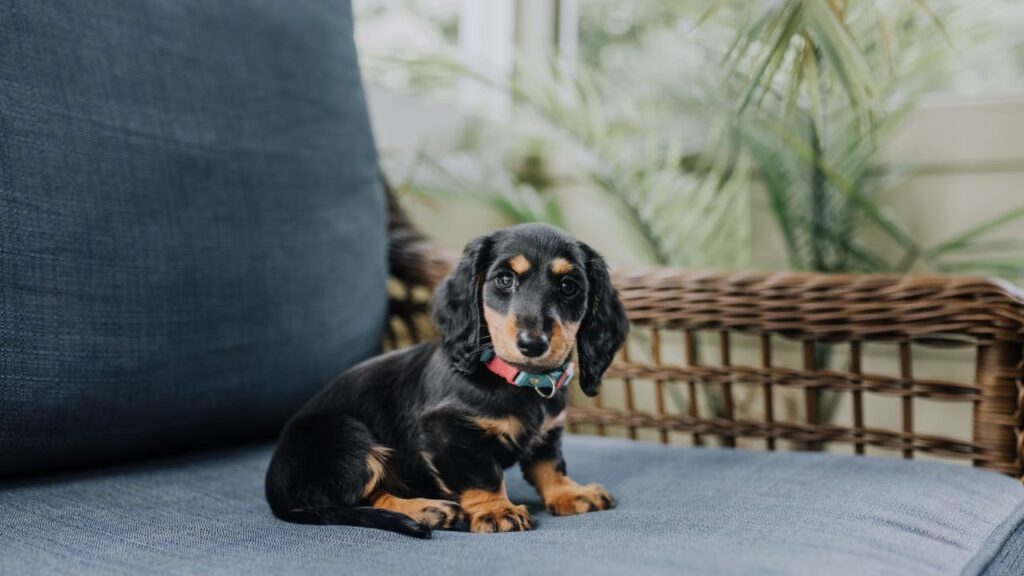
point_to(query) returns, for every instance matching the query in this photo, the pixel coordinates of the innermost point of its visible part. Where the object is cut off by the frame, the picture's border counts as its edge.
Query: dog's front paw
(500, 518)
(494, 512)
(426, 512)
(440, 514)
(577, 499)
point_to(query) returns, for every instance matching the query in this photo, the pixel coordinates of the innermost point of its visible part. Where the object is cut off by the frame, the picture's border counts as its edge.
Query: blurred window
(988, 48)
(985, 54)
(387, 31)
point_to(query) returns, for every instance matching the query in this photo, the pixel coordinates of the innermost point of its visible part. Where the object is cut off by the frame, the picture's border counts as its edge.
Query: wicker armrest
(814, 310)
(837, 310)
(827, 307)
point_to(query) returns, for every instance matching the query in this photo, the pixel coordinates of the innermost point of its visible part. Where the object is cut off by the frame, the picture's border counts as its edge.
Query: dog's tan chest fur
(515, 433)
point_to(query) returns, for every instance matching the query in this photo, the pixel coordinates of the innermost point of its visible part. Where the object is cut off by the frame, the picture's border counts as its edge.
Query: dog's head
(531, 292)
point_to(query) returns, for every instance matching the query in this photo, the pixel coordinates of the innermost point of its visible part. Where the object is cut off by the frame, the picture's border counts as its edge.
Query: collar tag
(546, 384)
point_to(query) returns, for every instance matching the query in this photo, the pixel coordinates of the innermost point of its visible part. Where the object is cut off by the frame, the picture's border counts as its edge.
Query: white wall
(971, 155)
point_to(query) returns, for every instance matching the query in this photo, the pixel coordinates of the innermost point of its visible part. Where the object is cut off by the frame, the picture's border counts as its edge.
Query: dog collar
(553, 381)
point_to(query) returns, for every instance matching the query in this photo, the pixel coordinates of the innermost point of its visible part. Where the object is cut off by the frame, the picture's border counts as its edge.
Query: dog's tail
(363, 516)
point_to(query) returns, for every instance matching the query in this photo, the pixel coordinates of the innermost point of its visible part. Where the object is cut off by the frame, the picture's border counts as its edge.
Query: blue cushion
(681, 511)
(192, 233)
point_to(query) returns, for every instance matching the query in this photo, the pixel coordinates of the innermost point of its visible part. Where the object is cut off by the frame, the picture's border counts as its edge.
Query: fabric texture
(680, 511)
(1003, 554)
(192, 232)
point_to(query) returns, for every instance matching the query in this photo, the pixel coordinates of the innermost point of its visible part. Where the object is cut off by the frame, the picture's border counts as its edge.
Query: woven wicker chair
(840, 310)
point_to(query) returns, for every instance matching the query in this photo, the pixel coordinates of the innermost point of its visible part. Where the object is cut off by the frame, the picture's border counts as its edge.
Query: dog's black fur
(418, 438)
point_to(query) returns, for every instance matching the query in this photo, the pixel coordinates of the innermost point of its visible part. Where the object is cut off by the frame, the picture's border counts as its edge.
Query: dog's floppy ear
(604, 325)
(457, 308)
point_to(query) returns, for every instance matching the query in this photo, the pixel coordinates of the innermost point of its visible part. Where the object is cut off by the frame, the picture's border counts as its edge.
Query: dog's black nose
(531, 346)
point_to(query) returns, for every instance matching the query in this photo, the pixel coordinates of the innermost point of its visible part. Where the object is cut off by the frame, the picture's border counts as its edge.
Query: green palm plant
(830, 82)
(800, 103)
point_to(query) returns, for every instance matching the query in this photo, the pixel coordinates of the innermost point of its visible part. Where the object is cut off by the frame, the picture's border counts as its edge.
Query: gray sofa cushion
(192, 235)
(681, 511)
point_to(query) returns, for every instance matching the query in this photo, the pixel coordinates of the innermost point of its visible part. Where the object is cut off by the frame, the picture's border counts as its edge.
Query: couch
(194, 237)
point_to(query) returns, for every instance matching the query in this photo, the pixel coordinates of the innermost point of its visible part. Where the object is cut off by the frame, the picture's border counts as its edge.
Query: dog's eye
(505, 281)
(569, 288)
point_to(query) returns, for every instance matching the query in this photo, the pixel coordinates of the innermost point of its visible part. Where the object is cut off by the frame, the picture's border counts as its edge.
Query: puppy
(418, 439)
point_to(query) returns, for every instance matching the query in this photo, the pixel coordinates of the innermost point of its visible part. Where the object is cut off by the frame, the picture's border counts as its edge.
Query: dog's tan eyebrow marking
(561, 266)
(519, 264)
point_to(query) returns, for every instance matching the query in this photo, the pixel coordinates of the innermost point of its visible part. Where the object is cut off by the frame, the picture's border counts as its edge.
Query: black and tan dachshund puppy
(419, 438)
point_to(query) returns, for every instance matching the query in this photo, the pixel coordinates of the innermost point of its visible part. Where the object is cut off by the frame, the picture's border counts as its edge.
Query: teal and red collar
(553, 381)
